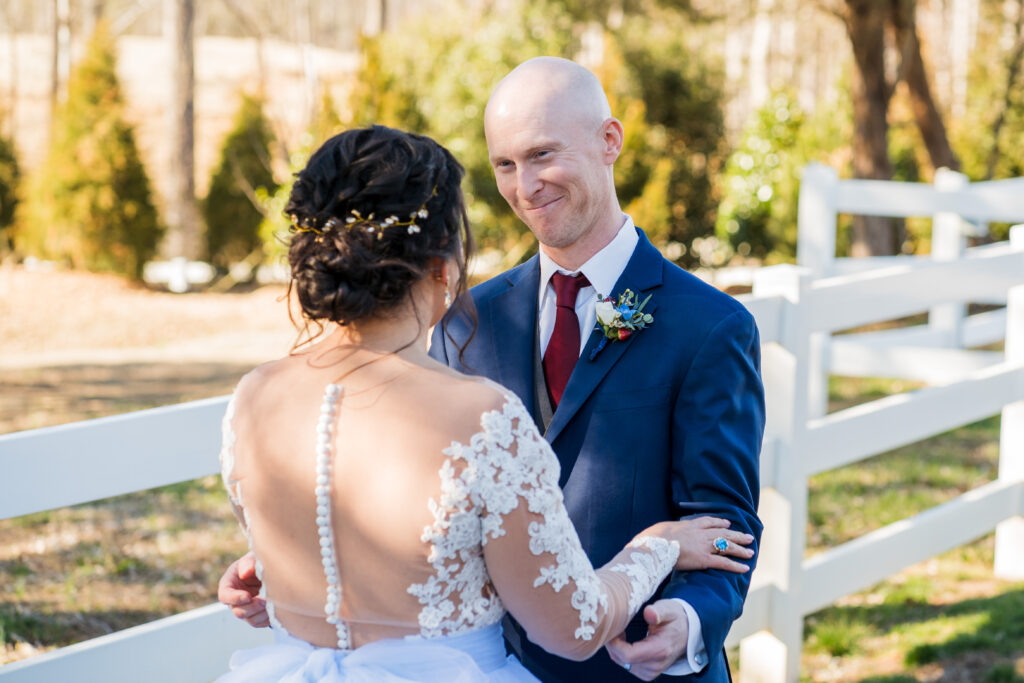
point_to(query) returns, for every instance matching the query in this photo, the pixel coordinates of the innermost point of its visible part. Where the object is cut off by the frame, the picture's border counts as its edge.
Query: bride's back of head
(371, 211)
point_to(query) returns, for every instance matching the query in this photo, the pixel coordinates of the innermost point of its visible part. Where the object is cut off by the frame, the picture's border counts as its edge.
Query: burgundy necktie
(564, 347)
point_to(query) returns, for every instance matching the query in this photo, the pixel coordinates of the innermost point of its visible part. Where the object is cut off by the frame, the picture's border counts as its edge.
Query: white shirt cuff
(696, 656)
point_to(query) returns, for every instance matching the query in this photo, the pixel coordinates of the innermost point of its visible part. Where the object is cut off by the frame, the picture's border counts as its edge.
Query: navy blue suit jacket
(665, 424)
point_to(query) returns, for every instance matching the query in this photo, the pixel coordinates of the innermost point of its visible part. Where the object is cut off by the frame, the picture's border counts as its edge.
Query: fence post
(1009, 562)
(773, 656)
(948, 244)
(816, 250)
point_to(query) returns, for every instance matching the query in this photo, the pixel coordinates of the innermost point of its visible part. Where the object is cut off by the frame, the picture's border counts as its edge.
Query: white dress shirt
(603, 270)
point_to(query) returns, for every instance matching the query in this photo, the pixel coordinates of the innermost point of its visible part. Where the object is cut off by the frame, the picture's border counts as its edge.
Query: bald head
(549, 86)
(552, 143)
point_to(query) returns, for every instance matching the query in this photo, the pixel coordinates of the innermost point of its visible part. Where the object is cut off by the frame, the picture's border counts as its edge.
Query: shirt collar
(603, 268)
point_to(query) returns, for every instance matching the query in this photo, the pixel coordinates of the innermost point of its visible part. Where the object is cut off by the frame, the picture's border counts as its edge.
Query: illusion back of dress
(404, 507)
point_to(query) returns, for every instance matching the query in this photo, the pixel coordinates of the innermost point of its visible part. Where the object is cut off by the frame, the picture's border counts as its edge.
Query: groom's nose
(528, 182)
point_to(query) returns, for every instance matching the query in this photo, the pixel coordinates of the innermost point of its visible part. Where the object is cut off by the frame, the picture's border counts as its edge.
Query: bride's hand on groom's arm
(697, 550)
(239, 589)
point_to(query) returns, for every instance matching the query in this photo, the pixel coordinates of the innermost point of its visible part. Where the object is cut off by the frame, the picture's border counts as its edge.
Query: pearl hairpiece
(373, 225)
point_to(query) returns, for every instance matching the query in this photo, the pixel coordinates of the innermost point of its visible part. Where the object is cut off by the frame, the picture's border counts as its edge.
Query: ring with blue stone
(719, 545)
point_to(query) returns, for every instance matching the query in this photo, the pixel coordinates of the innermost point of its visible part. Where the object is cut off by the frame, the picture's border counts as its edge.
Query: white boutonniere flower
(619, 318)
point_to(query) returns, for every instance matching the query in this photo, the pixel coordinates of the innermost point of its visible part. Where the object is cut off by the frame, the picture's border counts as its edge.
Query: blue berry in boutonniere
(619, 319)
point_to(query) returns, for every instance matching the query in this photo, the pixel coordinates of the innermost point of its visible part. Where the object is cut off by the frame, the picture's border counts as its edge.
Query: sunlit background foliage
(708, 197)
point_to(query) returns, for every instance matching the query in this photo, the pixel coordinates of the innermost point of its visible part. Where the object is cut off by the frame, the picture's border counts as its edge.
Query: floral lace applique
(473, 503)
(227, 457)
(234, 490)
(646, 570)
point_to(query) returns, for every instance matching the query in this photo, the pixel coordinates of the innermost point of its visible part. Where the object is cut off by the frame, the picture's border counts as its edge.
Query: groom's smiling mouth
(545, 205)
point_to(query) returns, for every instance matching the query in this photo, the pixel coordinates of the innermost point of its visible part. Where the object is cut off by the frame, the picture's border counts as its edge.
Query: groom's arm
(717, 426)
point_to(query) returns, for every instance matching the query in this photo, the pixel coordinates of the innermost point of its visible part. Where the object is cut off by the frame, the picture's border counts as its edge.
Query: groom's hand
(667, 631)
(239, 589)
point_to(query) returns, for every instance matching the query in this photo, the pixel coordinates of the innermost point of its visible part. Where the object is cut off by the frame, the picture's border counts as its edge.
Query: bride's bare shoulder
(466, 394)
(263, 383)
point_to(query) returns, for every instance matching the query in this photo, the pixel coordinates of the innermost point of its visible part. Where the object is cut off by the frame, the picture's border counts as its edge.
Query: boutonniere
(619, 319)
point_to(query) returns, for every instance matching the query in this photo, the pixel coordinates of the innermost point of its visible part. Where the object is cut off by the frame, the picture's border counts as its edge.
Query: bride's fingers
(737, 537)
(723, 562)
(712, 522)
(734, 549)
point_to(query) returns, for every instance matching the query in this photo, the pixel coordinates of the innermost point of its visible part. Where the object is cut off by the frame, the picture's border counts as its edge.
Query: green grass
(948, 614)
(17, 626)
(99, 567)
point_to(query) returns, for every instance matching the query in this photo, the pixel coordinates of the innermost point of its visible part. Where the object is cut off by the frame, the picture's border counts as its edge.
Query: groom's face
(549, 166)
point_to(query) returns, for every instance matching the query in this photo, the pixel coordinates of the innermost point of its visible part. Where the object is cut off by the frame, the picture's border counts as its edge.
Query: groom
(661, 423)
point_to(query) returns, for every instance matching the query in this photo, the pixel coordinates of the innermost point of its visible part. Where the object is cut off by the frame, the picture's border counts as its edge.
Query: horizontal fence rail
(995, 201)
(979, 329)
(864, 561)
(850, 435)
(847, 301)
(192, 646)
(109, 456)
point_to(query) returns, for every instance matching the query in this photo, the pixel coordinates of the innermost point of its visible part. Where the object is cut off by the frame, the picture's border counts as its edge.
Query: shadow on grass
(1000, 629)
(36, 624)
(44, 396)
(929, 633)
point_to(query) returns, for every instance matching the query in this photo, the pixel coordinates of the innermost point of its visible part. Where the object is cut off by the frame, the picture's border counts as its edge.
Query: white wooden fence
(799, 309)
(54, 467)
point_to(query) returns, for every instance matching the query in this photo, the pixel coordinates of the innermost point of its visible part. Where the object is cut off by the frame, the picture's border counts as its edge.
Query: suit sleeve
(718, 424)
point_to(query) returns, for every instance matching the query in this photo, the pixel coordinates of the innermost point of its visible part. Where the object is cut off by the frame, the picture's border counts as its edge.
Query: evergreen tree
(90, 202)
(231, 208)
(10, 175)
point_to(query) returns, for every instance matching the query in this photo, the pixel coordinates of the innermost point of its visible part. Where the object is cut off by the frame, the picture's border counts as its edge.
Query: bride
(396, 508)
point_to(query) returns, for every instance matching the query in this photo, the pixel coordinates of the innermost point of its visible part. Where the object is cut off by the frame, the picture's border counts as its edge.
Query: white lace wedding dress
(390, 567)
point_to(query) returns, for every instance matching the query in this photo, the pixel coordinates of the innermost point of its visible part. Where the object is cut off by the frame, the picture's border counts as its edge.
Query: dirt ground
(49, 317)
(75, 346)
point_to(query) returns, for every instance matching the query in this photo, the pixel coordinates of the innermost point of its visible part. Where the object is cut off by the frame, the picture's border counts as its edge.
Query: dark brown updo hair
(347, 264)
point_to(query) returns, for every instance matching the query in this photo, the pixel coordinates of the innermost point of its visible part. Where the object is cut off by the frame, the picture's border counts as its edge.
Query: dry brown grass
(72, 574)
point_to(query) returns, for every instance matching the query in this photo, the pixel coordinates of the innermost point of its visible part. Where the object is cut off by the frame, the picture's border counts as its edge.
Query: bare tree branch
(127, 18)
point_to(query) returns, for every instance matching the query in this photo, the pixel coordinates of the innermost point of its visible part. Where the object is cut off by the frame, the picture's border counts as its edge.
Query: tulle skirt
(474, 657)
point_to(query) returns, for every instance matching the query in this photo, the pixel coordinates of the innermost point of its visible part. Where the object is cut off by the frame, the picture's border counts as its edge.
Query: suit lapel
(512, 319)
(643, 274)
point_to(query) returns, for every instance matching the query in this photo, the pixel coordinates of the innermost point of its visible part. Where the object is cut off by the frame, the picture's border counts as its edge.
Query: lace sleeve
(227, 465)
(533, 553)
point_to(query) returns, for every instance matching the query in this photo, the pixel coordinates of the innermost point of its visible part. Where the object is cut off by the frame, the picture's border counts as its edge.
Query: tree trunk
(61, 64)
(913, 73)
(182, 213)
(91, 14)
(309, 71)
(865, 25)
(757, 80)
(12, 77)
(375, 17)
(1012, 73)
(254, 30)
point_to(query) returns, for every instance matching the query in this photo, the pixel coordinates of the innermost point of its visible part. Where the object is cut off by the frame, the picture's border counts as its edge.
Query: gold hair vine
(372, 226)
